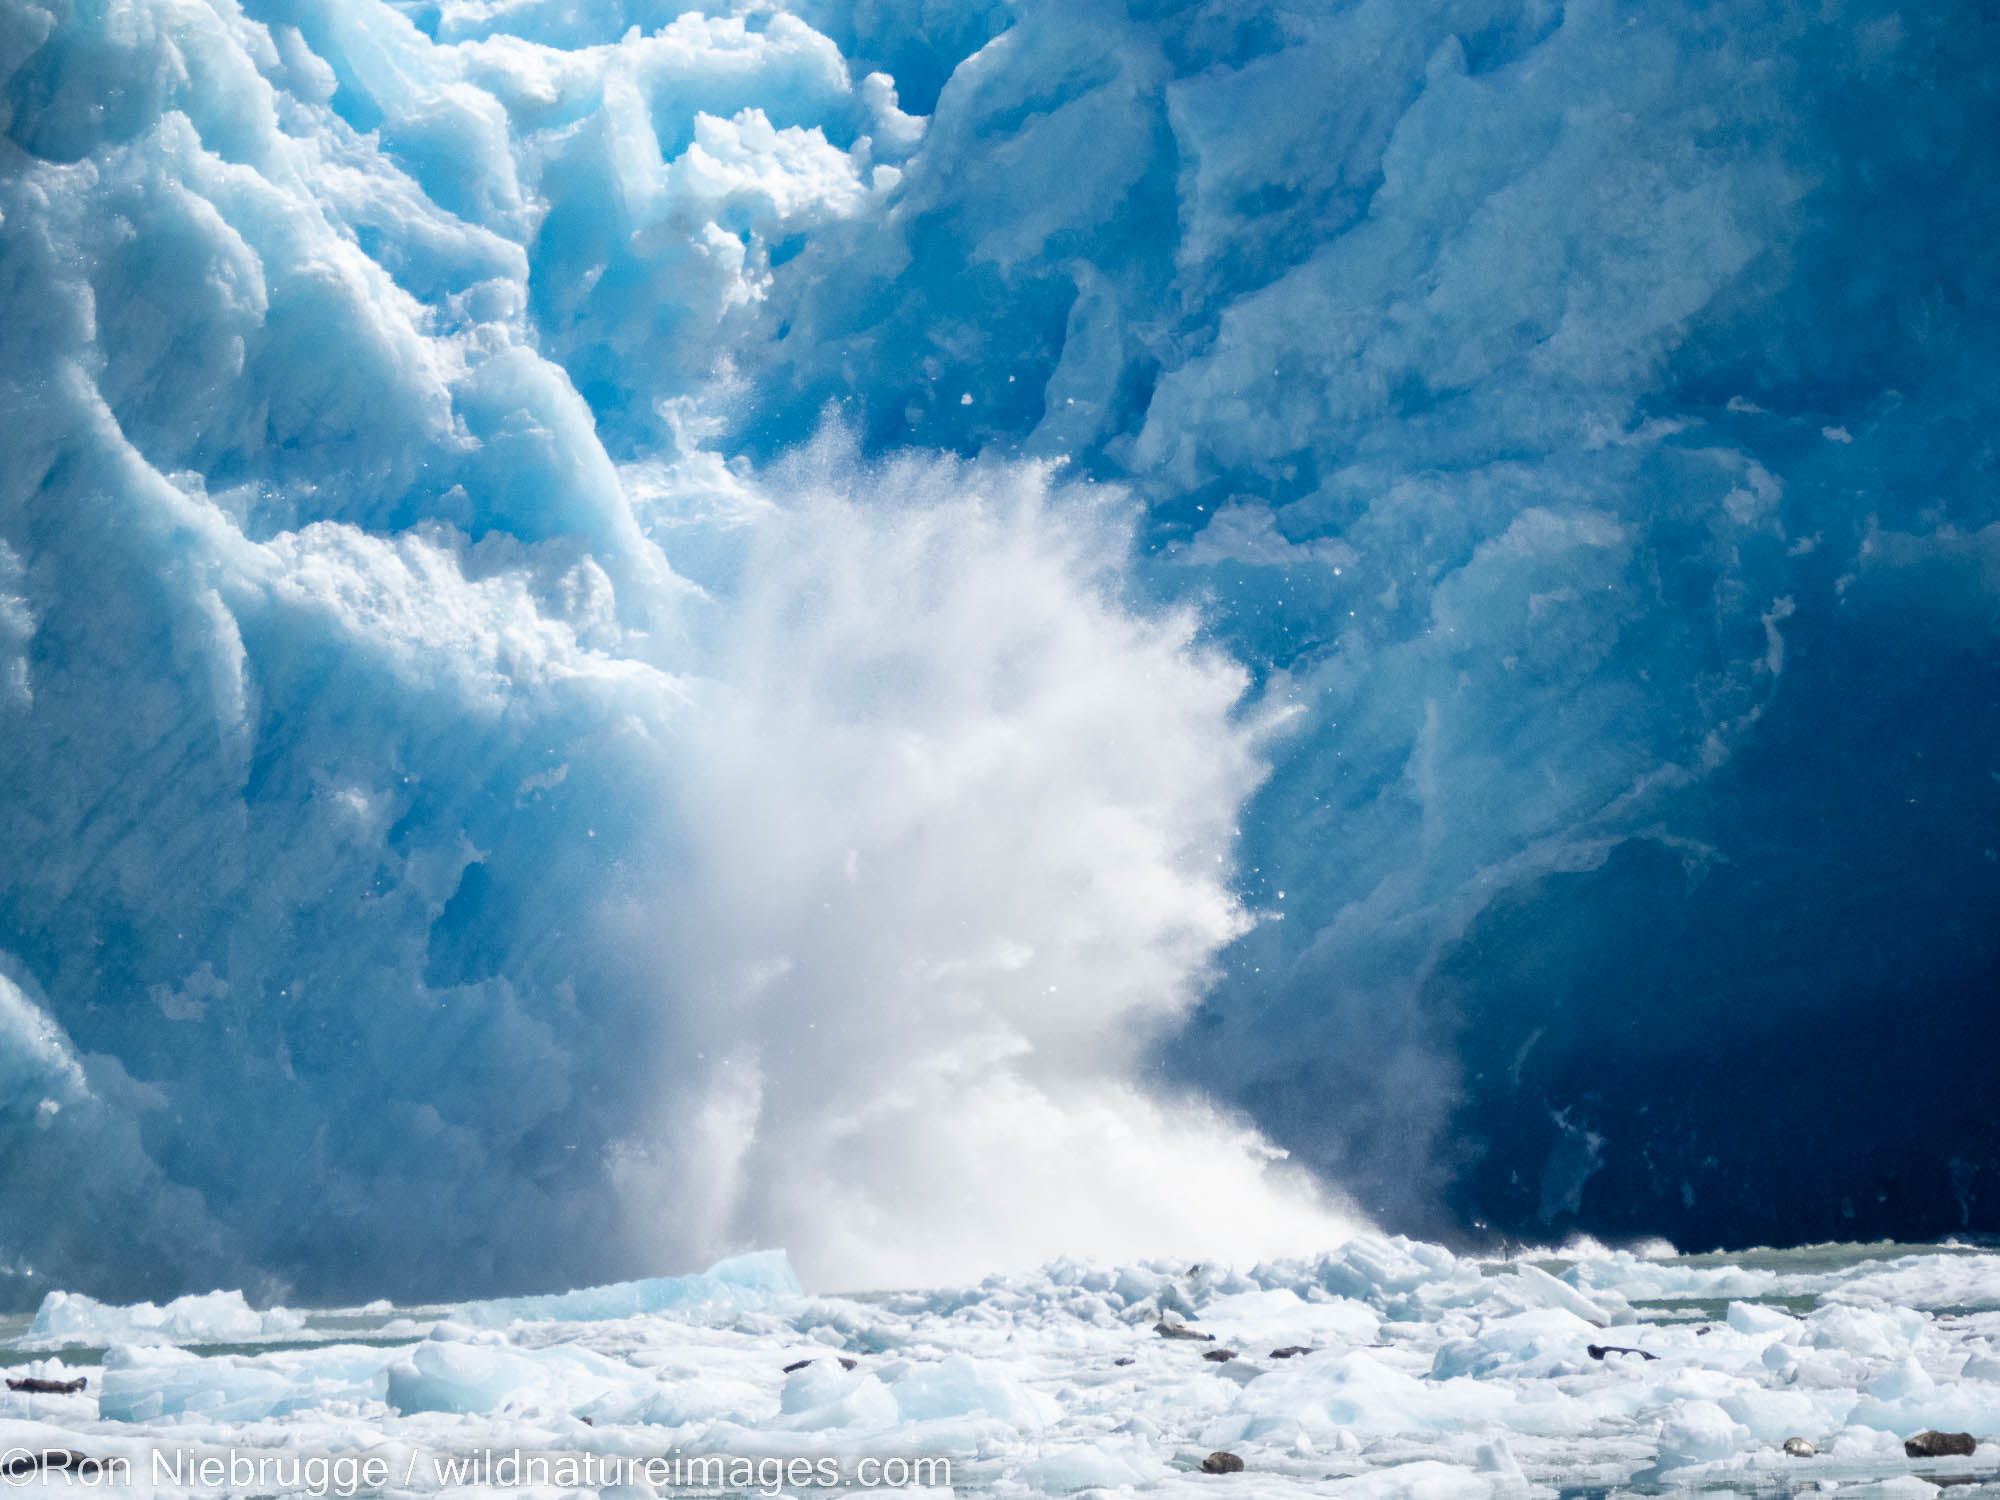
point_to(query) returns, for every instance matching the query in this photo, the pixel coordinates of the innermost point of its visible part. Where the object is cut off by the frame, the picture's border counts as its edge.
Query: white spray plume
(962, 828)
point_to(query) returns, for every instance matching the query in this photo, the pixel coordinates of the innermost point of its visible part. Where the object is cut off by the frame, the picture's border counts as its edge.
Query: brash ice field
(1383, 1370)
(956, 636)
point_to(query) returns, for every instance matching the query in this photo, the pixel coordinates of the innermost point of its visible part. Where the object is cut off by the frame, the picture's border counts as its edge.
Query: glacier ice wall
(1582, 416)
(413, 880)
(628, 633)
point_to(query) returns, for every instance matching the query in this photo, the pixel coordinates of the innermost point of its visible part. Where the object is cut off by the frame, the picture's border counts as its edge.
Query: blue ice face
(1570, 415)
(627, 634)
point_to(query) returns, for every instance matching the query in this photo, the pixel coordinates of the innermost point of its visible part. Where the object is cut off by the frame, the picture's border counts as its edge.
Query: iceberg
(724, 1289)
(68, 1318)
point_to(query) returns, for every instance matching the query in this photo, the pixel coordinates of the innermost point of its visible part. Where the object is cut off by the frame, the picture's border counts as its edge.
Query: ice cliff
(626, 634)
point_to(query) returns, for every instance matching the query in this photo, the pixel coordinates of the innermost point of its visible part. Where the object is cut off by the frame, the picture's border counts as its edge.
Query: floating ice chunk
(1398, 1277)
(1497, 1459)
(1638, 1279)
(1357, 1391)
(1859, 1443)
(1810, 1368)
(1281, 1316)
(1927, 1281)
(679, 1402)
(960, 1386)
(1899, 1487)
(1137, 1284)
(1541, 1289)
(442, 1375)
(466, 1370)
(766, 1271)
(1536, 1341)
(1700, 1432)
(207, 1318)
(1425, 1479)
(1772, 1416)
(1907, 1378)
(1747, 1317)
(150, 1383)
(1953, 1406)
(823, 1395)
(148, 1389)
(723, 1290)
(1878, 1333)
(1089, 1466)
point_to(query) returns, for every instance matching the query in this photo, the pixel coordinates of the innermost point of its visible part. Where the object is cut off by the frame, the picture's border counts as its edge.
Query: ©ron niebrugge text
(355, 1474)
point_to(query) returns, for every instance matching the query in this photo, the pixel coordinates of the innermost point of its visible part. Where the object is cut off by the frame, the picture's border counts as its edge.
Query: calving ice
(1134, 639)
(666, 632)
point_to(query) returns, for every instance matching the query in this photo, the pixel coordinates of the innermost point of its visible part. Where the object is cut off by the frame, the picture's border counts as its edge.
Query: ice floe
(1384, 1370)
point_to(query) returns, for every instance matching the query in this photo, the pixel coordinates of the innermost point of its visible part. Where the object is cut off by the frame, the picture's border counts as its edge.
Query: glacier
(631, 632)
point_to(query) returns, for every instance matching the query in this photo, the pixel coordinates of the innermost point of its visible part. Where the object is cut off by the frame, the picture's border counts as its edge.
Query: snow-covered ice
(203, 1318)
(1425, 1376)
